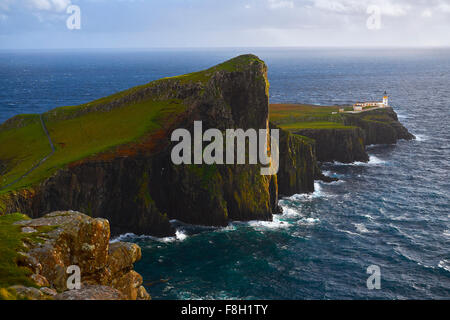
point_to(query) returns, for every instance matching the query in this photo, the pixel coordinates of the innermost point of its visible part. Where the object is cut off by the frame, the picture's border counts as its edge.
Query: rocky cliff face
(379, 126)
(347, 145)
(298, 166)
(138, 189)
(343, 145)
(74, 239)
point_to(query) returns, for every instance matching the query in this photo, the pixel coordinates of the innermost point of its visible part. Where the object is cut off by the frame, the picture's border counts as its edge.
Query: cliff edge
(341, 137)
(39, 256)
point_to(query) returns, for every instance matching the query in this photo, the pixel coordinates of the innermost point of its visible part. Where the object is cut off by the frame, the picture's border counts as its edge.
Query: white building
(359, 106)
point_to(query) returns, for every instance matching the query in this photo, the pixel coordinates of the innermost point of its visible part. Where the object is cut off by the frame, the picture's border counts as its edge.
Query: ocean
(393, 212)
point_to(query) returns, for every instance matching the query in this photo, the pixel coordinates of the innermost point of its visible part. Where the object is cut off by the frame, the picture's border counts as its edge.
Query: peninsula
(110, 159)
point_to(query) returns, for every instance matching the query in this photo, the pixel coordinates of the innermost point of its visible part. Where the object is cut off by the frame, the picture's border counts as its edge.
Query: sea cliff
(112, 156)
(135, 185)
(341, 137)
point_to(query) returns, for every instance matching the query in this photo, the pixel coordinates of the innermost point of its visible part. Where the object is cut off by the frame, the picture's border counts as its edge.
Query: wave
(373, 161)
(361, 228)
(290, 212)
(349, 232)
(318, 193)
(421, 137)
(276, 223)
(123, 237)
(308, 221)
(444, 264)
(180, 235)
(369, 217)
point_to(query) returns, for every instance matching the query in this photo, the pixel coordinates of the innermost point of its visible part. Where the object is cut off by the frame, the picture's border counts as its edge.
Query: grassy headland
(293, 117)
(78, 132)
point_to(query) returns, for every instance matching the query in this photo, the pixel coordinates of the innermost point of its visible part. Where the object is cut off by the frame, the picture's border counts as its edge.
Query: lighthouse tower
(386, 100)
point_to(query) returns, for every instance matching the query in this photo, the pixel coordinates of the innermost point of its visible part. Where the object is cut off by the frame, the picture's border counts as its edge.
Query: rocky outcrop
(343, 145)
(379, 126)
(91, 292)
(347, 145)
(74, 239)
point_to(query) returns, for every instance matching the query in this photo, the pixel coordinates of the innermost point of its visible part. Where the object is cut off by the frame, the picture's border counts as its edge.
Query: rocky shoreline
(74, 239)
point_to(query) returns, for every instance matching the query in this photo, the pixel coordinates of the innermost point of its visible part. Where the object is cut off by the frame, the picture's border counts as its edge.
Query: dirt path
(40, 162)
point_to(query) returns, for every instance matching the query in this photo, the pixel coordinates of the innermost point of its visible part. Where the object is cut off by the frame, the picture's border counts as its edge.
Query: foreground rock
(74, 239)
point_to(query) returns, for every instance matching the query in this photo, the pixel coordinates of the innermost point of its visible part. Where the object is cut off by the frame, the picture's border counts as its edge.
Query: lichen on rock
(75, 239)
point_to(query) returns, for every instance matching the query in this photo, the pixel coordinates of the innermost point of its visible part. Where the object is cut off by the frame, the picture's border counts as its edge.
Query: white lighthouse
(386, 100)
(363, 106)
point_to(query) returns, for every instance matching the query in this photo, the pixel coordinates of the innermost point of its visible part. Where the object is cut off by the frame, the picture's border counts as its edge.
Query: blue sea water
(393, 212)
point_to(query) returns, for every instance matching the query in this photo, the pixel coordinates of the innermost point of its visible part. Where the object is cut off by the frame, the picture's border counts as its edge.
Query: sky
(43, 24)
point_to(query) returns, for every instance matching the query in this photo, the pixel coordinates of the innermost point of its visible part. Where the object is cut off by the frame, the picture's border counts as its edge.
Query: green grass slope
(293, 117)
(77, 138)
(78, 132)
(23, 145)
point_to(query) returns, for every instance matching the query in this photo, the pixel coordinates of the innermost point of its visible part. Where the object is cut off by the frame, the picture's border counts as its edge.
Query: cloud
(387, 7)
(49, 5)
(34, 5)
(172, 23)
(277, 4)
(427, 13)
(444, 7)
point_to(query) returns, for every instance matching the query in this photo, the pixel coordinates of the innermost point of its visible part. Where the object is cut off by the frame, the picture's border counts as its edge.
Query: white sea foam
(361, 228)
(290, 212)
(444, 264)
(308, 221)
(373, 161)
(318, 193)
(180, 235)
(421, 137)
(349, 232)
(123, 237)
(277, 223)
(333, 183)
